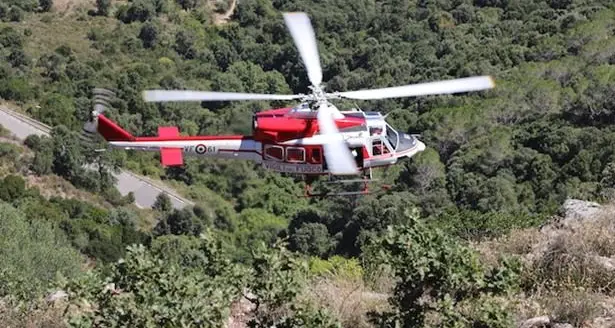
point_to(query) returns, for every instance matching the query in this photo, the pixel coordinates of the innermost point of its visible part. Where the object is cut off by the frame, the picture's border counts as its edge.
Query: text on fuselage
(200, 149)
(293, 168)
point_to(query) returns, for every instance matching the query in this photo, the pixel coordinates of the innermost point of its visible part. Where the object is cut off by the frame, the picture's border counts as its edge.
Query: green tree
(103, 7)
(123, 216)
(4, 11)
(16, 14)
(42, 163)
(46, 5)
(184, 44)
(187, 4)
(312, 239)
(149, 35)
(178, 222)
(56, 109)
(10, 38)
(138, 10)
(163, 203)
(67, 153)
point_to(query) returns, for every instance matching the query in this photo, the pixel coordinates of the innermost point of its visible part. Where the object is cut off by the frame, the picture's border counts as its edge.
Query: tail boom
(111, 131)
(173, 147)
(230, 147)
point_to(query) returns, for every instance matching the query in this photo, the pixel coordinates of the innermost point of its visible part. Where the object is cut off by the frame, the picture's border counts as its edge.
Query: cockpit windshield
(392, 137)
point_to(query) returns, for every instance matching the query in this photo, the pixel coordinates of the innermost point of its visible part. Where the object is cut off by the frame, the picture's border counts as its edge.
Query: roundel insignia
(200, 149)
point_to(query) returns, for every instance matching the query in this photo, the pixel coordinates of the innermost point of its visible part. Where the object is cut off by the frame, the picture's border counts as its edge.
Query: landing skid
(364, 190)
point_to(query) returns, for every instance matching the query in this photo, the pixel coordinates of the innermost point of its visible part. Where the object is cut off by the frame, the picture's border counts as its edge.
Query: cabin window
(379, 147)
(315, 158)
(295, 155)
(274, 153)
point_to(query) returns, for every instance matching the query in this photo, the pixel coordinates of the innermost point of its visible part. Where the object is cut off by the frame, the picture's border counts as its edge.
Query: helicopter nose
(420, 145)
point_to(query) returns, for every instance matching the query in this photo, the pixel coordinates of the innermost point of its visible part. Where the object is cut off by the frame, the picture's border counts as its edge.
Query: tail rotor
(102, 99)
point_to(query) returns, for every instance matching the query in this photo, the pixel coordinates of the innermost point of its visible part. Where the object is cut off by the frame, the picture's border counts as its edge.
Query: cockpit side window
(392, 137)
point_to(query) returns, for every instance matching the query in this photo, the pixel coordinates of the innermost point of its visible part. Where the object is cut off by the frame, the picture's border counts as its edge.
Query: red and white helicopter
(311, 139)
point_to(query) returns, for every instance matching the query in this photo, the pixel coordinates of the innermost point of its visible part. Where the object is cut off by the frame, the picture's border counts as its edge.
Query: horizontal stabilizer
(170, 156)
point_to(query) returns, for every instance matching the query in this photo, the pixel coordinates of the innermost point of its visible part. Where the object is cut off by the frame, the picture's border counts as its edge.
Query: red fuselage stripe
(184, 138)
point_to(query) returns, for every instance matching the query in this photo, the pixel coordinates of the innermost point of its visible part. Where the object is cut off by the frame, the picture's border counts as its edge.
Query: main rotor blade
(423, 89)
(338, 156)
(302, 32)
(185, 95)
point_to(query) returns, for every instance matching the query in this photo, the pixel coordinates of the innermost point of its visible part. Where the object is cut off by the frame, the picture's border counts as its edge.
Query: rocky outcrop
(580, 237)
(575, 210)
(573, 213)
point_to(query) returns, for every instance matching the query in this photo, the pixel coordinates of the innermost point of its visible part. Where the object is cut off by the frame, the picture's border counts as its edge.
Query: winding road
(144, 189)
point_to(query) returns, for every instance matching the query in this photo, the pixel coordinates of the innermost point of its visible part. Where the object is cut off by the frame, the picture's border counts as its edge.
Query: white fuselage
(248, 149)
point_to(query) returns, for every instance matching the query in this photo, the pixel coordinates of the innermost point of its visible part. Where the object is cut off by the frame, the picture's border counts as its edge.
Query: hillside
(454, 243)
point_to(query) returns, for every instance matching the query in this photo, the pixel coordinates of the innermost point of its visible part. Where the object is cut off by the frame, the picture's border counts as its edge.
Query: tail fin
(100, 124)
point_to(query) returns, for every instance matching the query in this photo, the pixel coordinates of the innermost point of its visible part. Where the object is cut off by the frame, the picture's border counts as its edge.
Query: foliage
(33, 253)
(12, 187)
(166, 285)
(437, 275)
(148, 292)
(93, 230)
(278, 279)
(336, 266)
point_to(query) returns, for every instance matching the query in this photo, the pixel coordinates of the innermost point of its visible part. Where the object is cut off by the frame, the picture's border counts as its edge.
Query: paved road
(145, 190)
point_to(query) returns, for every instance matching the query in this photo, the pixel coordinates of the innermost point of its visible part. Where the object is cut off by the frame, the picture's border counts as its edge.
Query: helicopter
(311, 139)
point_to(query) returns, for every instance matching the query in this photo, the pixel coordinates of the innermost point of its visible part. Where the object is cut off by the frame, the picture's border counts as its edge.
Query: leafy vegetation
(497, 161)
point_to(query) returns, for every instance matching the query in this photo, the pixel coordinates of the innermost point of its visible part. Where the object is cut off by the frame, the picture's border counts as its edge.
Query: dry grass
(568, 272)
(51, 30)
(55, 186)
(41, 315)
(65, 6)
(577, 307)
(347, 300)
(223, 18)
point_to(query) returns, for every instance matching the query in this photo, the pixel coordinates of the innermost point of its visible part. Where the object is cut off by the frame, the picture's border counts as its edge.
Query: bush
(150, 291)
(439, 279)
(12, 188)
(278, 278)
(336, 266)
(4, 132)
(103, 7)
(16, 88)
(16, 14)
(46, 5)
(8, 151)
(33, 252)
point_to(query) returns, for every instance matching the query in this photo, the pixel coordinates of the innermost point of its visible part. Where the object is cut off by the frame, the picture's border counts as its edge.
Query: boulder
(57, 295)
(579, 210)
